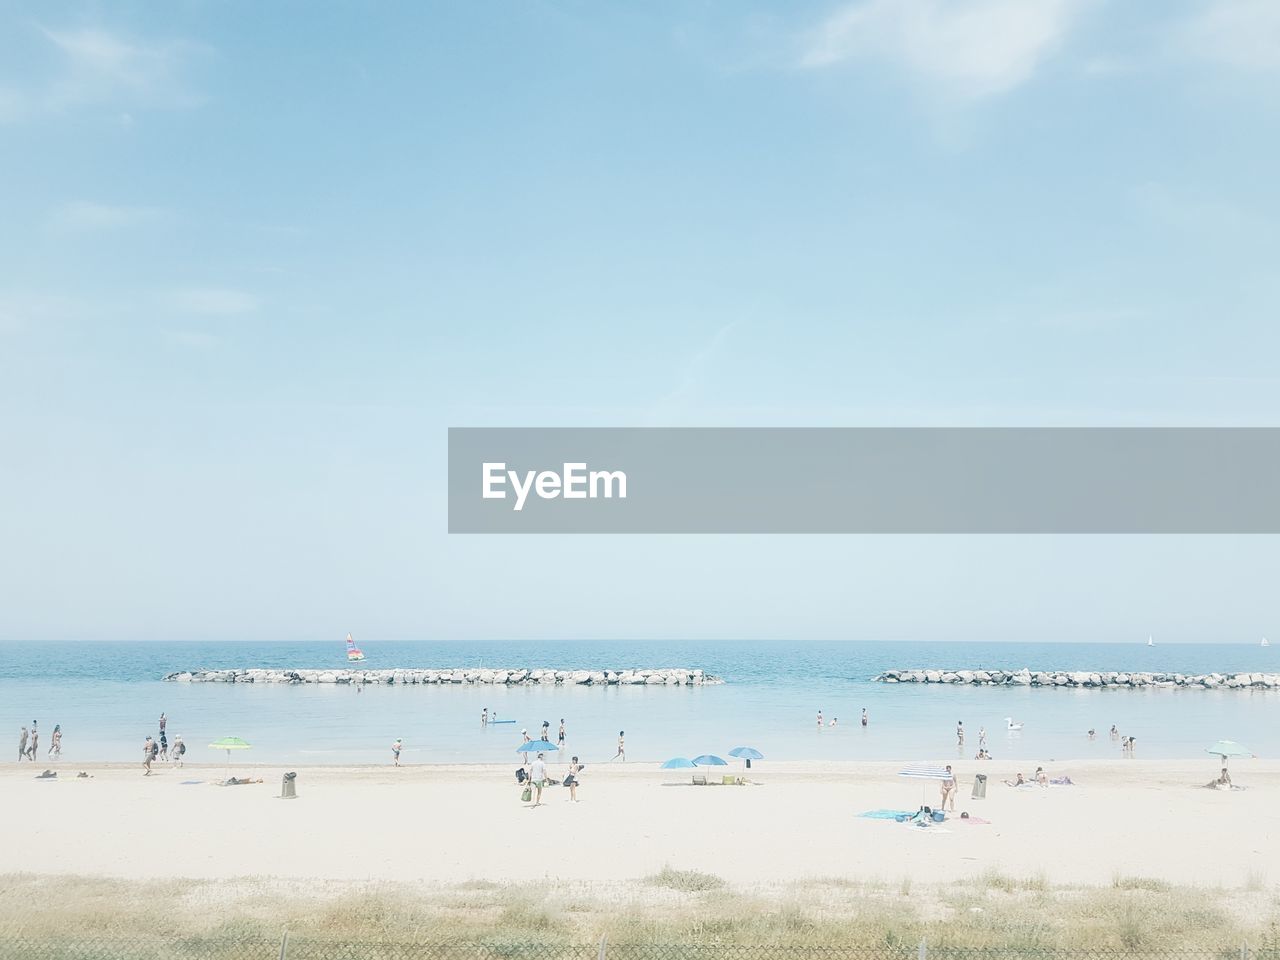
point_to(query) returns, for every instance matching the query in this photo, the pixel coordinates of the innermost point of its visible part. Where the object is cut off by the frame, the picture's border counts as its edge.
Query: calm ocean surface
(108, 696)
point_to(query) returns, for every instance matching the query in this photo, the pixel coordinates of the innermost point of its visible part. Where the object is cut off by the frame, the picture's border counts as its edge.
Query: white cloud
(86, 216)
(1239, 33)
(212, 301)
(96, 67)
(968, 48)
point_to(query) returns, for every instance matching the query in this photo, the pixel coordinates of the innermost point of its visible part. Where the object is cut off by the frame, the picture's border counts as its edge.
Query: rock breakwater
(1084, 678)
(587, 678)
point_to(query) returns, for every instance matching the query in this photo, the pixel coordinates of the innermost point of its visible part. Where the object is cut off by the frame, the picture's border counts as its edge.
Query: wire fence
(294, 947)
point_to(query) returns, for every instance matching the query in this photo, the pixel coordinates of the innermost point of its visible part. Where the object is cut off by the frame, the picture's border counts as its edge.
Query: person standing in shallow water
(55, 745)
(865, 718)
(560, 735)
(622, 747)
(819, 719)
(982, 737)
(960, 733)
(35, 742)
(395, 751)
(22, 744)
(147, 756)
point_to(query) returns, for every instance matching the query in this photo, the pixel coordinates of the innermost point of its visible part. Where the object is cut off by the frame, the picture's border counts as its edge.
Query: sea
(107, 697)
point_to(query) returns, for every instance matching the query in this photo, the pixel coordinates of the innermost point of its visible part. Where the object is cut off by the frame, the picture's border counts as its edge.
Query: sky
(258, 258)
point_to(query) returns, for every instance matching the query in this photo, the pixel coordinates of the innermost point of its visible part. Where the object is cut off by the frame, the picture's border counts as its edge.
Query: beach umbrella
(925, 771)
(1228, 748)
(746, 753)
(677, 763)
(708, 760)
(535, 746)
(228, 744)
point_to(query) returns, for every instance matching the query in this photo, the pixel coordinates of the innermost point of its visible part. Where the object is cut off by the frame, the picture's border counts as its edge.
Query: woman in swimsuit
(949, 791)
(574, 768)
(622, 749)
(560, 736)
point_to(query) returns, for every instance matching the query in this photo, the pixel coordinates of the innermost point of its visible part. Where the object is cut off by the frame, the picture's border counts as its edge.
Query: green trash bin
(980, 786)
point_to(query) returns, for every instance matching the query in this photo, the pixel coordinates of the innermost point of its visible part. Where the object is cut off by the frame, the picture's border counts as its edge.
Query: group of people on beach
(29, 742)
(532, 778)
(157, 748)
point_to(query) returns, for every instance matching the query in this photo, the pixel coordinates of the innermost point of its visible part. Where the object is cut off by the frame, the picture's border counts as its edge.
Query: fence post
(924, 950)
(604, 940)
(284, 946)
(1244, 950)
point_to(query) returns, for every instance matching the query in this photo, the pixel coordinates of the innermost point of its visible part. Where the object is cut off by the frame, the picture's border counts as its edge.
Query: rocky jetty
(626, 678)
(1084, 678)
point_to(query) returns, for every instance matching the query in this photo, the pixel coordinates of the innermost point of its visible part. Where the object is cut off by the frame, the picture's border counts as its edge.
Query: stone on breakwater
(1075, 678)
(401, 675)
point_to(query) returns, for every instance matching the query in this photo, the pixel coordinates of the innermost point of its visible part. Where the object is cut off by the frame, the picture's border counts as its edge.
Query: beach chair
(699, 779)
(729, 780)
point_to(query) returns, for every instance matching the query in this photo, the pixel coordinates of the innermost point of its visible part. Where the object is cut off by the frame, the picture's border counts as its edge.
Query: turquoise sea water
(108, 696)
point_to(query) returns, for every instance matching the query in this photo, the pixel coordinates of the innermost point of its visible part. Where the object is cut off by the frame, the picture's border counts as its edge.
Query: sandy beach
(1123, 818)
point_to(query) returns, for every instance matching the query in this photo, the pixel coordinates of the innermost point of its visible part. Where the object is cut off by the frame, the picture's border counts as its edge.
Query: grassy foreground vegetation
(675, 907)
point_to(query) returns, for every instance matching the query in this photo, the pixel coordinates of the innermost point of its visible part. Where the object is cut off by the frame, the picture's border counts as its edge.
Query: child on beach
(571, 781)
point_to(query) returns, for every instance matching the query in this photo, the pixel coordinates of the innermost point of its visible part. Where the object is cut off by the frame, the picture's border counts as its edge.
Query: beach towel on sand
(887, 814)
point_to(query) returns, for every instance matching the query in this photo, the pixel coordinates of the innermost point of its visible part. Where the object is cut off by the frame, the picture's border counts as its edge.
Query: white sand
(1125, 817)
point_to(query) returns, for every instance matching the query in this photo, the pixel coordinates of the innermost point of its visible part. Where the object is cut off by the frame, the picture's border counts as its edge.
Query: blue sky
(258, 259)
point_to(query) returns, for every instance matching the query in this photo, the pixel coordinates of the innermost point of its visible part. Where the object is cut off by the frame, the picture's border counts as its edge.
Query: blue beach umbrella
(708, 760)
(677, 763)
(746, 753)
(1228, 748)
(535, 746)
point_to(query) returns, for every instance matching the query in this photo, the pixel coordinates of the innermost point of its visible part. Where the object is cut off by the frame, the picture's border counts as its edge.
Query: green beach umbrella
(228, 744)
(1228, 748)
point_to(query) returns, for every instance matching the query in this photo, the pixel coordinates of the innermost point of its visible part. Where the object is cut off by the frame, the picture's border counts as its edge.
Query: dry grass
(671, 907)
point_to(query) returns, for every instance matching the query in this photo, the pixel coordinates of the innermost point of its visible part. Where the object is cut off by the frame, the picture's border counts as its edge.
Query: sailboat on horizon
(1265, 642)
(354, 653)
(1150, 642)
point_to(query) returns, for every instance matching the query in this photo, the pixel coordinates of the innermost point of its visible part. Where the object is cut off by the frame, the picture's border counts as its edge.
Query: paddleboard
(502, 721)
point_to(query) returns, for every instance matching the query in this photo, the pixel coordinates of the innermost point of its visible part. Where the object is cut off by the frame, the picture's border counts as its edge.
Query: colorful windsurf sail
(353, 652)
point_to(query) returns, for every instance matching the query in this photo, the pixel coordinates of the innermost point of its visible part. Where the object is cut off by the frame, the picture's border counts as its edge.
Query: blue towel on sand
(887, 814)
(187, 783)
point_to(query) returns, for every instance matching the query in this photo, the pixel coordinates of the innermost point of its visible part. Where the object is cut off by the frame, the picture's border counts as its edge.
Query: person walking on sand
(22, 744)
(560, 735)
(949, 791)
(147, 755)
(622, 747)
(179, 748)
(34, 745)
(164, 746)
(538, 774)
(865, 718)
(571, 781)
(55, 744)
(395, 752)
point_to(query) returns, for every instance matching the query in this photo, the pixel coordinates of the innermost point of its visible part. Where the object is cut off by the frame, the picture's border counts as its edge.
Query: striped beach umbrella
(925, 771)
